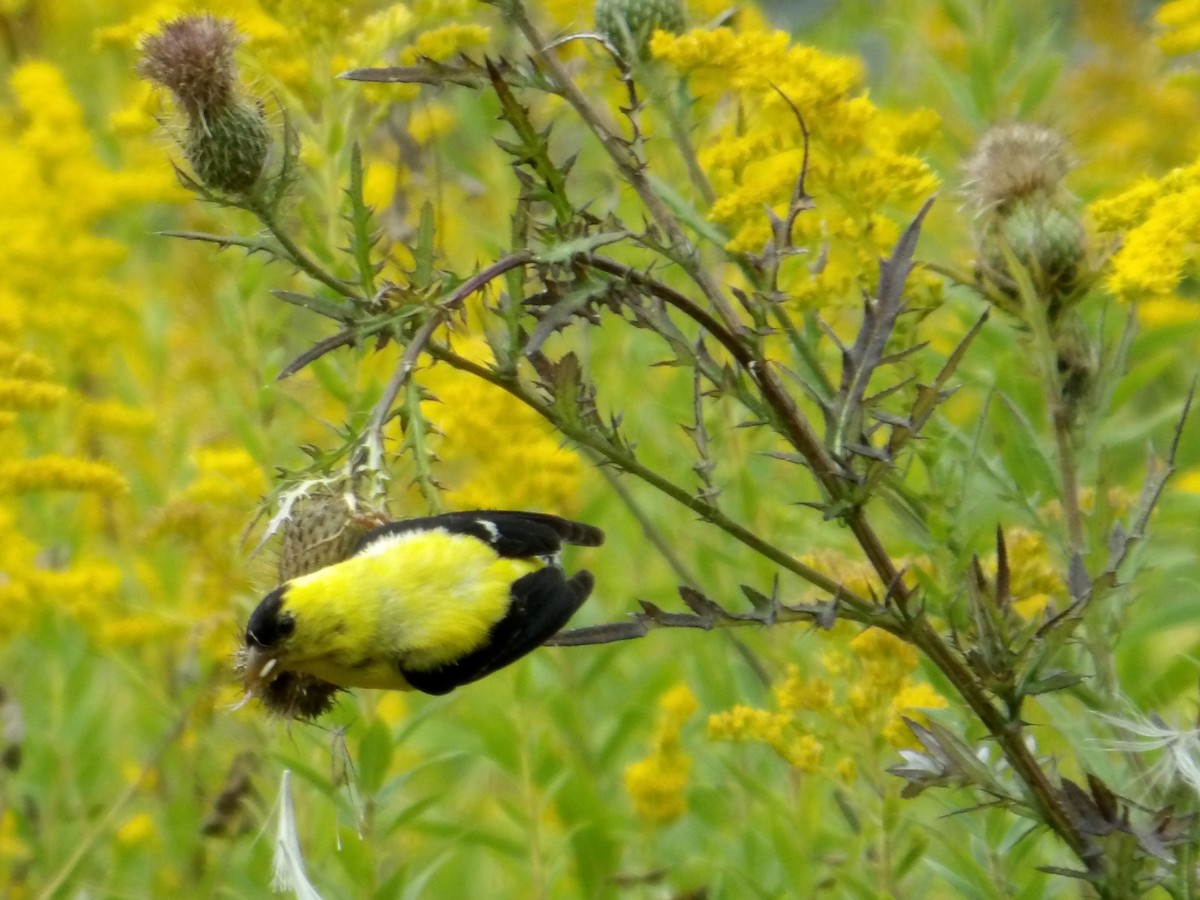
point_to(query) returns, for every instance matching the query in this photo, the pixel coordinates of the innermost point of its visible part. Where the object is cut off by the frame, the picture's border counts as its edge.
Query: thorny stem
(802, 437)
(687, 150)
(917, 630)
(682, 572)
(625, 159)
(417, 433)
(819, 380)
(1008, 735)
(400, 377)
(864, 610)
(798, 430)
(298, 257)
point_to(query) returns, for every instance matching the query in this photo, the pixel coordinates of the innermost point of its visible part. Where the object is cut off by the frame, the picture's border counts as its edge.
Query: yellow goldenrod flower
(442, 43)
(54, 472)
(678, 705)
(85, 591)
(656, 787)
(137, 629)
(110, 417)
(22, 364)
(377, 30)
(875, 644)
(1159, 221)
(479, 459)
(1034, 579)
(657, 784)
(797, 693)
(803, 753)
(861, 158)
(1180, 20)
(23, 394)
(430, 122)
(137, 830)
(846, 769)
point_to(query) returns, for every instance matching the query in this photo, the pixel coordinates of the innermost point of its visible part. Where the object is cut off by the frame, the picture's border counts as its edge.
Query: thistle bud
(227, 140)
(1025, 214)
(628, 24)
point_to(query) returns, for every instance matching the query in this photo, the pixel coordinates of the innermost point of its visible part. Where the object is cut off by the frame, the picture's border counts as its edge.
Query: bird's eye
(268, 623)
(286, 625)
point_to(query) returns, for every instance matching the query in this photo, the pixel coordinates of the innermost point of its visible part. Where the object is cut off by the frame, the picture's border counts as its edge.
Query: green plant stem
(625, 159)
(417, 433)
(682, 572)
(1043, 795)
(819, 380)
(299, 258)
(669, 107)
(864, 610)
(1068, 470)
(796, 426)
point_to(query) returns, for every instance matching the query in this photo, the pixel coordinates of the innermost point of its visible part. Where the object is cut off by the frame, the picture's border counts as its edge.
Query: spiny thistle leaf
(845, 420)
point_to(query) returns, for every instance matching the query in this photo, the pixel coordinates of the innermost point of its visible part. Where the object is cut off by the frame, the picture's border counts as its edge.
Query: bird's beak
(260, 668)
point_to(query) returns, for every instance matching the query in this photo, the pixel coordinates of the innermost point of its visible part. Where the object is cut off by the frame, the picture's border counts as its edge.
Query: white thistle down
(288, 872)
(1181, 758)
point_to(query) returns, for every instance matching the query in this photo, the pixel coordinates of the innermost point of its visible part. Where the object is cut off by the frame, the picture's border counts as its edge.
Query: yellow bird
(430, 604)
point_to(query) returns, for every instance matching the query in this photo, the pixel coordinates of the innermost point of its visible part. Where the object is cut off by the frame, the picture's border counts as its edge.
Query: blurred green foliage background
(141, 424)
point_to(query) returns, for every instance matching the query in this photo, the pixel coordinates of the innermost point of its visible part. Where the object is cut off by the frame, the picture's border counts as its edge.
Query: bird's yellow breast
(415, 600)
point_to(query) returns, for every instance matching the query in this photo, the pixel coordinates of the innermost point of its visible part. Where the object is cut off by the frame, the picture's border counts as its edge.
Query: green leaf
(568, 250)
(374, 756)
(423, 252)
(361, 238)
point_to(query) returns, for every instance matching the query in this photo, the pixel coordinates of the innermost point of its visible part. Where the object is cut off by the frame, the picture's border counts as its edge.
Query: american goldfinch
(426, 604)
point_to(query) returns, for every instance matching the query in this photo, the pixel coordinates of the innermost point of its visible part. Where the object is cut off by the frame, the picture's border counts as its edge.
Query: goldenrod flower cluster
(656, 784)
(855, 707)
(446, 42)
(67, 312)
(98, 456)
(480, 462)
(226, 485)
(1124, 91)
(1180, 21)
(862, 160)
(1158, 221)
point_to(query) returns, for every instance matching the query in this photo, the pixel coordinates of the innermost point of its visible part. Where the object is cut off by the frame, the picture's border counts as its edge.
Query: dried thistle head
(291, 695)
(1013, 162)
(322, 528)
(192, 57)
(1024, 214)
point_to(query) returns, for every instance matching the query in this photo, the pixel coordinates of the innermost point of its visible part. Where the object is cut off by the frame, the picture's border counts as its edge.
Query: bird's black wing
(510, 534)
(542, 602)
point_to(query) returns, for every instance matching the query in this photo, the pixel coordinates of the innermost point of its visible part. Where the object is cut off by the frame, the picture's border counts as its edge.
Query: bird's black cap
(267, 626)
